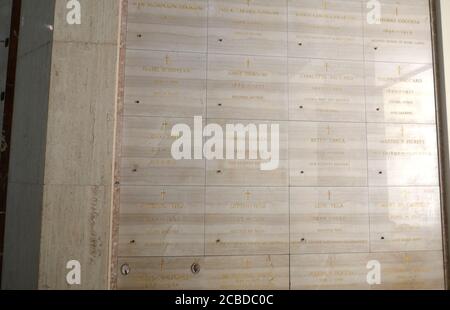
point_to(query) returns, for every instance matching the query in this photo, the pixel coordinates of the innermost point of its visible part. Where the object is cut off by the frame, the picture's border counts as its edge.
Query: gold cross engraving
(164, 125)
(406, 259)
(247, 195)
(331, 261)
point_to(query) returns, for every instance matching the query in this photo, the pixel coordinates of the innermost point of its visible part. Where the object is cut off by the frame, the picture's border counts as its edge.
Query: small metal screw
(125, 269)
(195, 268)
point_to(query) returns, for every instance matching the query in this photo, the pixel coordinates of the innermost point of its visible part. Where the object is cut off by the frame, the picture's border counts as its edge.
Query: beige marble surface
(400, 93)
(329, 220)
(247, 27)
(404, 34)
(400, 271)
(247, 221)
(169, 25)
(265, 272)
(161, 221)
(357, 180)
(326, 29)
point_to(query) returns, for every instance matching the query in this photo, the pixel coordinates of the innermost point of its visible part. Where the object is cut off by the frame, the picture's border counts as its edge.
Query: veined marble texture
(357, 185)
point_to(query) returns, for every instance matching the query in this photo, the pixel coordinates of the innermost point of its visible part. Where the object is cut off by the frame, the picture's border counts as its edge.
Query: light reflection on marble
(402, 155)
(400, 93)
(403, 34)
(405, 219)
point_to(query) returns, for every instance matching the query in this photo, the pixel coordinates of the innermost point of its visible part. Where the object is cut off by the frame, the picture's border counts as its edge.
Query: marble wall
(358, 178)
